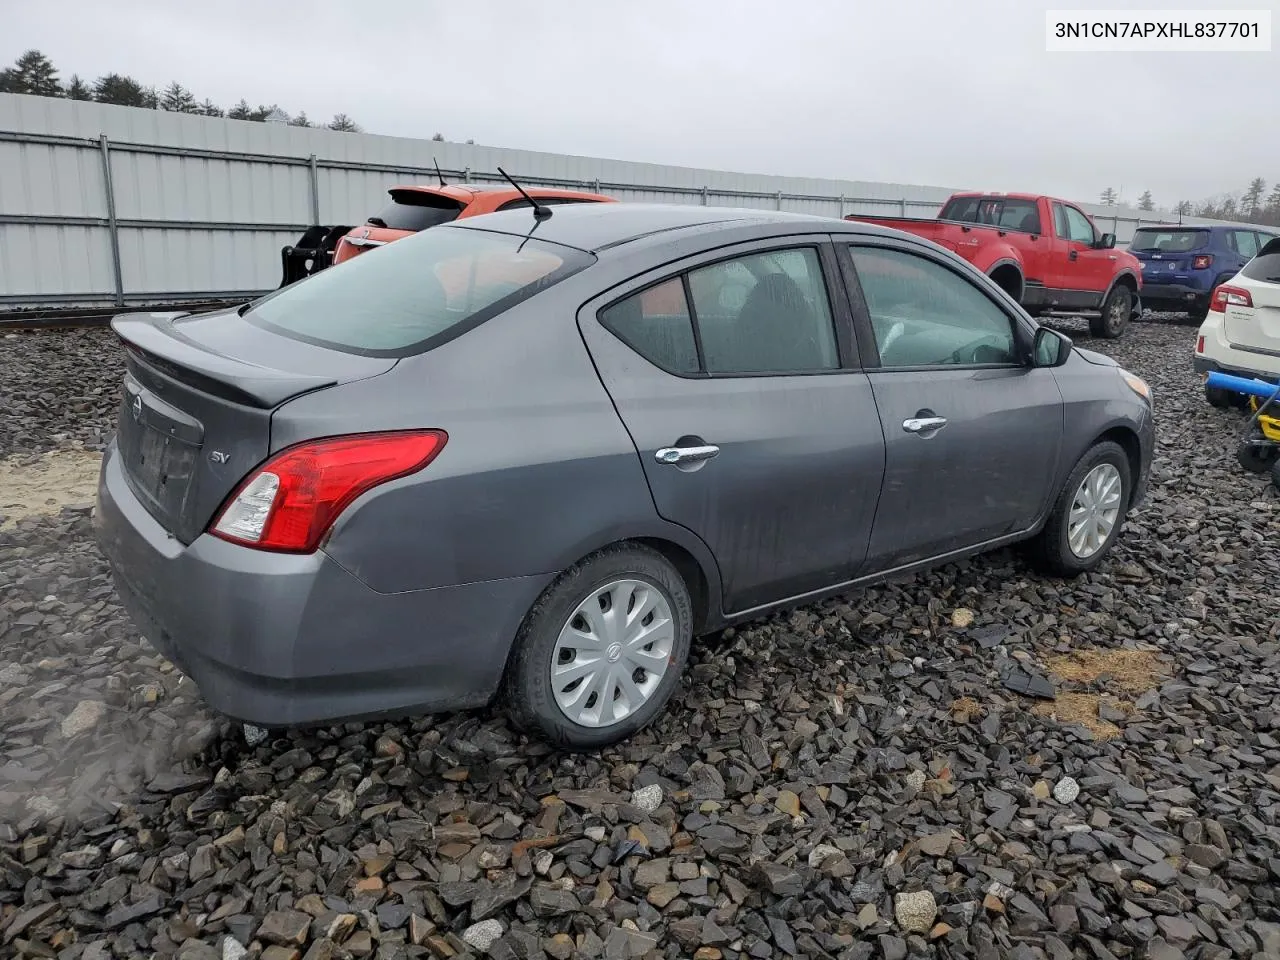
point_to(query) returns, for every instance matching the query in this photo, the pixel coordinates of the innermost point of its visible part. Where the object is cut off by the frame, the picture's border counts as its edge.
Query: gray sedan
(529, 458)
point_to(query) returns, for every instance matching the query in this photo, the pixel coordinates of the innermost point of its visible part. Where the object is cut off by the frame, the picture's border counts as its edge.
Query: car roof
(596, 227)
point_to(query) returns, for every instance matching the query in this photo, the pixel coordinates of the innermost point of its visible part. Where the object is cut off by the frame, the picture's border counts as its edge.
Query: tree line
(34, 73)
(1253, 205)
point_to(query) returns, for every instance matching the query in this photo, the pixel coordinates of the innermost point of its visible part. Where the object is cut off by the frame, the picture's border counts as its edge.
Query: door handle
(686, 454)
(923, 424)
(1074, 255)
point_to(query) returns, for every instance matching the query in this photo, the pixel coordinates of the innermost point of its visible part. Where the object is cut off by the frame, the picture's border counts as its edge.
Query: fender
(657, 528)
(1124, 272)
(988, 256)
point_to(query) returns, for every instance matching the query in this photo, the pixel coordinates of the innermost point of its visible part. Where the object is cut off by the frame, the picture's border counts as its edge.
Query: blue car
(1181, 265)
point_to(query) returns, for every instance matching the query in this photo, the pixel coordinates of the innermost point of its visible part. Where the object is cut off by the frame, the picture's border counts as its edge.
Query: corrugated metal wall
(106, 204)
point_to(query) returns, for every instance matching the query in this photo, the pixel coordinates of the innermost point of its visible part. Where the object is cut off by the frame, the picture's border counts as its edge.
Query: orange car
(414, 208)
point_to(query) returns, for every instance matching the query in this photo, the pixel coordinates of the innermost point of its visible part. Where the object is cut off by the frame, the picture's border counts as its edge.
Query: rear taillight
(290, 502)
(1202, 262)
(1200, 344)
(1225, 296)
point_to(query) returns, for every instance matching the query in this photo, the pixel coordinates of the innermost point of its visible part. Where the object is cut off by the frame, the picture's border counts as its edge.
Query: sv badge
(217, 456)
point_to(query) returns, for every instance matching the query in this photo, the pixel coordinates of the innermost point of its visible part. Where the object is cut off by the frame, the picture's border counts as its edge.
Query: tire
(1257, 459)
(528, 687)
(1114, 317)
(1052, 549)
(1217, 397)
(1275, 474)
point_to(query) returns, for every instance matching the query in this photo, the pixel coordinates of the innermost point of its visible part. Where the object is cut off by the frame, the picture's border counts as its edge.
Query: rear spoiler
(153, 339)
(1268, 248)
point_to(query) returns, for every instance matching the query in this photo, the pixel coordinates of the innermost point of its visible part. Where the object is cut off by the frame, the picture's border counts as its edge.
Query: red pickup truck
(1045, 253)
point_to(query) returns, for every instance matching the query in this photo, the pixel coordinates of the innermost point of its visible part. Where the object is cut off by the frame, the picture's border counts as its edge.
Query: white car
(1241, 334)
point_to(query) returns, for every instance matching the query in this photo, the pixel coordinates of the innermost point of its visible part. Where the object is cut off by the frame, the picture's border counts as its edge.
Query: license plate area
(158, 445)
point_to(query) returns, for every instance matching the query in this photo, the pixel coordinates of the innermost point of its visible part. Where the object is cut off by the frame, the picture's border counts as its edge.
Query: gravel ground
(847, 780)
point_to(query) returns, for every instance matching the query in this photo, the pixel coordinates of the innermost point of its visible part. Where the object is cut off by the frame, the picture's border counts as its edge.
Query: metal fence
(155, 208)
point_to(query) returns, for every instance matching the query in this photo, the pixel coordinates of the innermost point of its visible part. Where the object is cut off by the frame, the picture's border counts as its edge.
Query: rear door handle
(923, 424)
(686, 454)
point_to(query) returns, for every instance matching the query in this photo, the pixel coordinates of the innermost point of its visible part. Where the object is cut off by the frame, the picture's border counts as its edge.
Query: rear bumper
(1202, 364)
(283, 640)
(1157, 295)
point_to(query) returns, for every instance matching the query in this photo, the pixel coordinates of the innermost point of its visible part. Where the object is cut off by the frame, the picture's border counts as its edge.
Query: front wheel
(602, 650)
(1115, 313)
(1086, 518)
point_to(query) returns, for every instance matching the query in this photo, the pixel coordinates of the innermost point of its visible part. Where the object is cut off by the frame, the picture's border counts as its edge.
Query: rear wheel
(602, 650)
(1087, 516)
(1114, 317)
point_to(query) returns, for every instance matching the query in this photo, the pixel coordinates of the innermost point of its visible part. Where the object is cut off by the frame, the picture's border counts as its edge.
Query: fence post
(841, 206)
(315, 191)
(902, 207)
(112, 229)
(466, 175)
(704, 196)
(778, 200)
(596, 185)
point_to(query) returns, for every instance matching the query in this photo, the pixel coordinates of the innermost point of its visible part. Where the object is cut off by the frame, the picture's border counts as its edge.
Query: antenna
(439, 175)
(539, 211)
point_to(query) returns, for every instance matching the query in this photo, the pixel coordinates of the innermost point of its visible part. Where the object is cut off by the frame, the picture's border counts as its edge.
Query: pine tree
(438, 137)
(151, 98)
(1184, 207)
(121, 90)
(210, 109)
(1228, 209)
(8, 81)
(1145, 202)
(300, 120)
(1109, 196)
(240, 111)
(1273, 201)
(259, 113)
(178, 99)
(1251, 202)
(35, 74)
(77, 89)
(343, 124)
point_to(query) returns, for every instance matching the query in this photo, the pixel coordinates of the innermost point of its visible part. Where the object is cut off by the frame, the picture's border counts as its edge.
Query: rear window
(1005, 213)
(410, 295)
(411, 210)
(1168, 241)
(1266, 265)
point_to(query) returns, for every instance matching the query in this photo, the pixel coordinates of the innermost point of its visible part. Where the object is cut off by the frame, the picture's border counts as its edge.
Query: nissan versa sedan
(527, 458)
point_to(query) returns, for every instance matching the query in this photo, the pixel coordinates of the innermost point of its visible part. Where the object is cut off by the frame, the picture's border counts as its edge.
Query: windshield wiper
(377, 222)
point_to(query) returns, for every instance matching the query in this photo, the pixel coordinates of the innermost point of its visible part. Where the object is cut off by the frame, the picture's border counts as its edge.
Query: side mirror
(1106, 241)
(1050, 348)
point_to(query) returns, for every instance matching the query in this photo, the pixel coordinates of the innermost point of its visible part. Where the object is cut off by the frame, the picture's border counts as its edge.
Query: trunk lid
(196, 405)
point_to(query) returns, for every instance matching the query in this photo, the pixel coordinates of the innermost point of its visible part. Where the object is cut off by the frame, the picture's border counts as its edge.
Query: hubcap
(1094, 510)
(612, 653)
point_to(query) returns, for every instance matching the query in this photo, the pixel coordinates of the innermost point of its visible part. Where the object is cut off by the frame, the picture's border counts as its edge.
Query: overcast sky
(953, 94)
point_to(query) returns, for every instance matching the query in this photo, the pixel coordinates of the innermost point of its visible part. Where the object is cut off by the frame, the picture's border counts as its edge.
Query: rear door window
(656, 324)
(414, 210)
(1244, 242)
(410, 295)
(764, 313)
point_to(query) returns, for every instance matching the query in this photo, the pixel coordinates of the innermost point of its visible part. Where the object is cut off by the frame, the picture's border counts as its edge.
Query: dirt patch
(1084, 709)
(1134, 671)
(43, 485)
